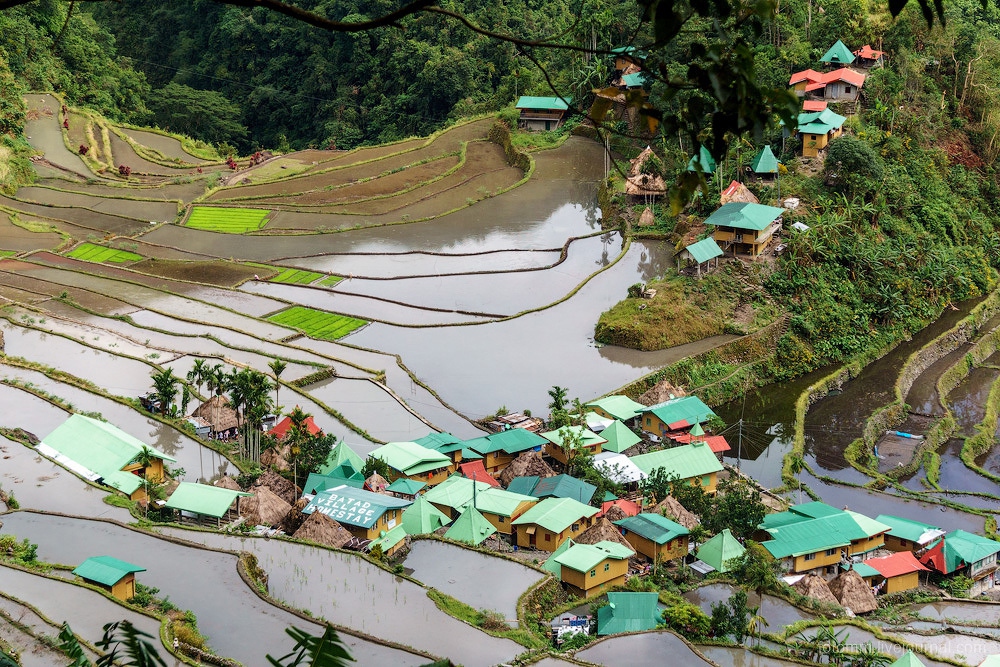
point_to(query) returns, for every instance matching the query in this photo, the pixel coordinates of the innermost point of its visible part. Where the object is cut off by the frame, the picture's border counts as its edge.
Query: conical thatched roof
(322, 529)
(647, 218)
(815, 586)
(264, 508)
(660, 393)
(376, 483)
(278, 485)
(277, 457)
(852, 592)
(217, 412)
(650, 185)
(640, 160)
(737, 192)
(615, 513)
(671, 508)
(528, 464)
(227, 482)
(295, 518)
(601, 531)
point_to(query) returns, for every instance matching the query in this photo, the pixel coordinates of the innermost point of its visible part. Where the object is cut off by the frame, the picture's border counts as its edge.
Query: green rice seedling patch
(296, 277)
(227, 220)
(91, 252)
(7, 253)
(330, 281)
(317, 323)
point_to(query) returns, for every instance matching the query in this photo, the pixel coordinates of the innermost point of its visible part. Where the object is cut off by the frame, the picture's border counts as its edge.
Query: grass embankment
(317, 323)
(91, 252)
(227, 220)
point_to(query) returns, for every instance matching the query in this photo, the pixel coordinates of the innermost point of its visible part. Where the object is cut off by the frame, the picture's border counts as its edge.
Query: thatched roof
(815, 586)
(660, 393)
(376, 483)
(264, 508)
(322, 529)
(615, 513)
(640, 160)
(601, 531)
(278, 485)
(647, 218)
(295, 518)
(277, 457)
(217, 412)
(737, 192)
(227, 482)
(645, 185)
(671, 508)
(528, 464)
(852, 592)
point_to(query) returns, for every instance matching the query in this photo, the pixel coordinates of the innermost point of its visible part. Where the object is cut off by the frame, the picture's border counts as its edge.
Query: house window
(548, 537)
(607, 567)
(813, 137)
(705, 480)
(847, 90)
(576, 527)
(902, 543)
(502, 519)
(648, 421)
(810, 556)
(829, 552)
(593, 573)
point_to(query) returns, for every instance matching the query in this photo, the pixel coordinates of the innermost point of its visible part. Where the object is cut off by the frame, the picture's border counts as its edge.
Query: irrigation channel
(475, 287)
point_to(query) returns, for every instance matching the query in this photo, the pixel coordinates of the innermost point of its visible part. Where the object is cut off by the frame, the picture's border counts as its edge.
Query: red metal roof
(901, 562)
(868, 53)
(844, 74)
(805, 75)
(627, 506)
(731, 190)
(477, 471)
(813, 105)
(815, 86)
(282, 428)
(716, 443)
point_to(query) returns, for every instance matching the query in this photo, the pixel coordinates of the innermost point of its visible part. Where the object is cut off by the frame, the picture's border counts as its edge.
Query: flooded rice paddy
(646, 649)
(778, 612)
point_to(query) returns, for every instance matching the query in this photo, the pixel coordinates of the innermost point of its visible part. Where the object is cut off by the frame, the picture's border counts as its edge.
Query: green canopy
(471, 527)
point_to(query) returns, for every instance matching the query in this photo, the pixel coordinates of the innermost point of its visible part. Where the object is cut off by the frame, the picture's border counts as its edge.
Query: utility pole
(739, 446)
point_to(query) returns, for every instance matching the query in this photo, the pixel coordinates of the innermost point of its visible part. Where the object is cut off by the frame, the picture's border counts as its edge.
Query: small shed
(700, 253)
(115, 576)
(390, 541)
(642, 183)
(703, 159)
(898, 572)
(541, 113)
(619, 438)
(591, 569)
(765, 164)
(738, 192)
(628, 612)
(867, 57)
(405, 488)
(422, 517)
(201, 502)
(838, 55)
(471, 527)
(721, 549)
(219, 414)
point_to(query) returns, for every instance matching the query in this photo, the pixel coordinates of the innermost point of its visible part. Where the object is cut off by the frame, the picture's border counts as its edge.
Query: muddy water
(955, 476)
(350, 591)
(423, 264)
(834, 422)
(968, 399)
(856, 638)
(963, 649)
(104, 340)
(159, 211)
(22, 409)
(646, 649)
(31, 652)
(738, 657)
(371, 407)
(199, 462)
(79, 222)
(777, 612)
(164, 145)
(461, 572)
(237, 623)
(45, 135)
(923, 397)
(38, 483)
(291, 397)
(970, 500)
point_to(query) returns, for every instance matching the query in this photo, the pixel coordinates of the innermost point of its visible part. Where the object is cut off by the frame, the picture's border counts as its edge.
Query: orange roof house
(813, 105)
(868, 57)
(282, 428)
(838, 86)
(477, 471)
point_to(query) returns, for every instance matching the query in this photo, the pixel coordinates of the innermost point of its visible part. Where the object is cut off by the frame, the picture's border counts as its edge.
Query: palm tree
(756, 622)
(277, 367)
(298, 434)
(215, 378)
(249, 395)
(198, 373)
(165, 388)
(869, 656)
(558, 396)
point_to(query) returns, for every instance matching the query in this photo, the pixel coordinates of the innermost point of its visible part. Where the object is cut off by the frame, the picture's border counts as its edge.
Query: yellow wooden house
(114, 576)
(655, 537)
(590, 569)
(563, 443)
(551, 522)
(744, 229)
(367, 515)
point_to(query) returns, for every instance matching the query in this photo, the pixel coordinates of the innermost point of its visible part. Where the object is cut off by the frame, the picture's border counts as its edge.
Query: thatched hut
(737, 192)
(815, 586)
(647, 219)
(671, 508)
(263, 508)
(279, 486)
(660, 393)
(277, 457)
(322, 529)
(642, 184)
(602, 531)
(218, 413)
(527, 464)
(376, 483)
(853, 593)
(227, 482)
(295, 518)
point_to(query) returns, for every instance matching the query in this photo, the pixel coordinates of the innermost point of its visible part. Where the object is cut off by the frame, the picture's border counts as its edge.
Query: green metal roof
(470, 527)
(810, 536)
(97, 450)
(863, 570)
(409, 458)
(628, 612)
(741, 215)
(203, 499)
(555, 514)
(619, 407)
(619, 437)
(316, 482)
(819, 122)
(105, 570)
(511, 441)
(421, 517)
(838, 54)
(765, 162)
(910, 659)
(339, 455)
(588, 438)
(500, 502)
(585, 557)
(469, 455)
(550, 564)
(908, 529)
(704, 250)
(706, 160)
(684, 410)
(563, 486)
(387, 539)
(869, 526)
(686, 461)
(654, 527)
(353, 507)
(962, 548)
(524, 485)
(990, 661)
(410, 487)
(635, 80)
(437, 440)
(720, 550)
(454, 492)
(547, 103)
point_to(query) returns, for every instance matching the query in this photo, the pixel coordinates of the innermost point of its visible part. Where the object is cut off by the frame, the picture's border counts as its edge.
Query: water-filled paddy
(777, 612)
(647, 649)
(369, 406)
(424, 264)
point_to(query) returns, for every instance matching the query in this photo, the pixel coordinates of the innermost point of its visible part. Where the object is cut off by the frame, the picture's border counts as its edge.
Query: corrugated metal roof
(477, 471)
(410, 458)
(524, 484)
(720, 550)
(588, 438)
(455, 492)
(805, 75)
(410, 487)
(812, 535)
(838, 54)
(744, 216)
(765, 162)
(628, 612)
(203, 499)
(556, 514)
(686, 461)
(899, 563)
(654, 527)
(705, 159)
(470, 527)
(958, 549)
(421, 517)
(690, 409)
(564, 486)
(618, 468)
(619, 437)
(863, 569)
(387, 539)
(819, 122)
(635, 80)
(341, 454)
(354, 507)
(908, 529)
(910, 659)
(282, 428)
(550, 564)
(105, 570)
(316, 482)
(547, 103)
(585, 557)
(511, 441)
(501, 502)
(619, 407)
(868, 53)
(704, 250)
(437, 440)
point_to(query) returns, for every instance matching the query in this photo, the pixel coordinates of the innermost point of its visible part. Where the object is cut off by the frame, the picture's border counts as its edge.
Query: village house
(837, 55)
(500, 507)
(619, 469)
(818, 129)
(563, 442)
(619, 437)
(500, 449)
(556, 486)
(110, 574)
(694, 463)
(703, 161)
(104, 453)
(201, 502)
(450, 446)
(840, 85)
(628, 58)
(700, 254)
(745, 228)
(220, 415)
(868, 58)
(655, 536)
(405, 488)
(891, 574)
(342, 461)
(542, 113)
(284, 427)
(960, 552)
(907, 534)
(551, 522)
(470, 527)
(644, 180)
(717, 443)
(316, 482)
(622, 408)
(363, 513)
(477, 470)
(411, 461)
(676, 414)
(628, 612)
(590, 569)
(389, 541)
(452, 495)
(764, 164)
(719, 551)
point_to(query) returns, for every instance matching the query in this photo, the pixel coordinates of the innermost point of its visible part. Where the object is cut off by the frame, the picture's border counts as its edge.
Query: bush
(688, 619)
(144, 595)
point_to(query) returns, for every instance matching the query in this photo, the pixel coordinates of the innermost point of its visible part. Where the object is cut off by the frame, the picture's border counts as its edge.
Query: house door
(548, 125)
